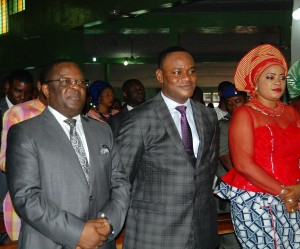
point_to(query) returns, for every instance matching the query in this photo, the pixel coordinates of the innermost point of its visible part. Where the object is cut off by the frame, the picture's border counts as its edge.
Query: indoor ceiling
(215, 30)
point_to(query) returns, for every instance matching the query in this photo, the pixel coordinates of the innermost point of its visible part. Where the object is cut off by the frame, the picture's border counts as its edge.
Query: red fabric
(265, 150)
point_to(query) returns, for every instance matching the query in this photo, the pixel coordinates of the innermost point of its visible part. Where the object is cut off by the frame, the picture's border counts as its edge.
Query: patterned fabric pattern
(14, 115)
(79, 149)
(260, 220)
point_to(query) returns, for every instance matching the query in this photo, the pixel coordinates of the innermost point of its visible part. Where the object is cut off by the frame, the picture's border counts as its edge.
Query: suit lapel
(198, 119)
(166, 119)
(93, 148)
(57, 135)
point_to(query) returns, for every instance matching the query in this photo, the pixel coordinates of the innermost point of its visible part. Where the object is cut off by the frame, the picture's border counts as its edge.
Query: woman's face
(106, 97)
(271, 83)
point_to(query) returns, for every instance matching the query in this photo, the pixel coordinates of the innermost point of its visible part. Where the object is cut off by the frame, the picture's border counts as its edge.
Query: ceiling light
(94, 59)
(91, 24)
(296, 14)
(125, 62)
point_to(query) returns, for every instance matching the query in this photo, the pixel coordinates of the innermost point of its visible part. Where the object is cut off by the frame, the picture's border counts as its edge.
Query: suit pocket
(148, 206)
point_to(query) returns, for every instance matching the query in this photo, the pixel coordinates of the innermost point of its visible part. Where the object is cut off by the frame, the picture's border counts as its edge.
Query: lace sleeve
(241, 144)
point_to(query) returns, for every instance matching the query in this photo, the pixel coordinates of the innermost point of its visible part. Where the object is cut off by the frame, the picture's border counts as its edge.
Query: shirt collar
(171, 104)
(8, 102)
(129, 108)
(62, 118)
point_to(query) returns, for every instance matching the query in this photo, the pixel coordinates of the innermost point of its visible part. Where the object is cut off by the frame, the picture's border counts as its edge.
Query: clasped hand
(94, 234)
(290, 197)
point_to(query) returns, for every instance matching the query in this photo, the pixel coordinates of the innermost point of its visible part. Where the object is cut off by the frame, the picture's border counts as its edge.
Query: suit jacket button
(195, 177)
(91, 198)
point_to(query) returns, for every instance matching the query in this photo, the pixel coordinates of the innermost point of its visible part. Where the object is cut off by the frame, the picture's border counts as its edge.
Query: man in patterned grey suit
(67, 185)
(171, 203)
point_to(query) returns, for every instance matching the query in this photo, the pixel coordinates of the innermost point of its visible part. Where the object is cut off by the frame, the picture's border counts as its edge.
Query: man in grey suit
(64, 174)
(171, 158)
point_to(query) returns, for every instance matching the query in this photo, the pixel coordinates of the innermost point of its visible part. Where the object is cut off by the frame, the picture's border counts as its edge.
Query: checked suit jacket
(116, 120)
(48, 187)
(170, 193)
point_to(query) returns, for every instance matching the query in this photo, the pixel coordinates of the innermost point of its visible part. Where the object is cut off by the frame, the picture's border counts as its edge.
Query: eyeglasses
(70, 82)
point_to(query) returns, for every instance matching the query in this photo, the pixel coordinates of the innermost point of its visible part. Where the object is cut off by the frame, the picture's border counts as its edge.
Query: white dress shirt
(176, 115)
(220, 113)
(79, 129)
(129, 108)
(8, 102)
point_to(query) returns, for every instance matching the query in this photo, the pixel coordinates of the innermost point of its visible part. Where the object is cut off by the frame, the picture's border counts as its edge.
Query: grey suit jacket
(117, 120)
(170, 194)
(48, 188)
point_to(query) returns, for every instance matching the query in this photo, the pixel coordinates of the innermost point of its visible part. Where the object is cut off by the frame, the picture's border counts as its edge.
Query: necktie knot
(71, 122)
(181, 109)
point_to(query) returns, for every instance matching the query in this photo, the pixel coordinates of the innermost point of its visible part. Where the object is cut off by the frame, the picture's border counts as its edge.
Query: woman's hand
(290, 197)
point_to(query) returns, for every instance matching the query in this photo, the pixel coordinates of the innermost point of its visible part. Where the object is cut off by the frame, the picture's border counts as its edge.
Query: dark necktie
(186, 132)
(78, 147)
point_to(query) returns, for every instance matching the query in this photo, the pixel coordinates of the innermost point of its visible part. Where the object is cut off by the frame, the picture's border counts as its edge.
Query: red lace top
(265, 150)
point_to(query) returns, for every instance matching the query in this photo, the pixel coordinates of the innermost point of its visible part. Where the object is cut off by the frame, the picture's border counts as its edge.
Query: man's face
(233, 102)
(136, 95)
(178, 76)
(66, 99)
(19, 92)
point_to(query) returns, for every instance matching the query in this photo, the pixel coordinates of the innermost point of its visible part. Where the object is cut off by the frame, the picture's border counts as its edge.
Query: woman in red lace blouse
(264, 141)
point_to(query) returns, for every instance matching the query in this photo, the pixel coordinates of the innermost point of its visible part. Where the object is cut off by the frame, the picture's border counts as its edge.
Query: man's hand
(94, 234)
(103, 230)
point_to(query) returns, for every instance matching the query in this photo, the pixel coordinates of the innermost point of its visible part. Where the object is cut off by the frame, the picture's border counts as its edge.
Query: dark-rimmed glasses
(70, 82)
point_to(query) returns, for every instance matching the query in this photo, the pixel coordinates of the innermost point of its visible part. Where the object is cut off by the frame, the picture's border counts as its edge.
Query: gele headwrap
(95, 89)
(293, 80)
(254, 63)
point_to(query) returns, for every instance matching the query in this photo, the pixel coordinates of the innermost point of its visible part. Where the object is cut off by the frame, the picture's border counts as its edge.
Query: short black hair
(129, 83)
(22, 76)
(44, 76)
(163, 54)
(5, 79)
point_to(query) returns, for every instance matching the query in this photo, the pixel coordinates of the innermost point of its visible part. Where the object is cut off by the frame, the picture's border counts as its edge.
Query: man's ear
(124, 94)
(45, 90)
(159, 75)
